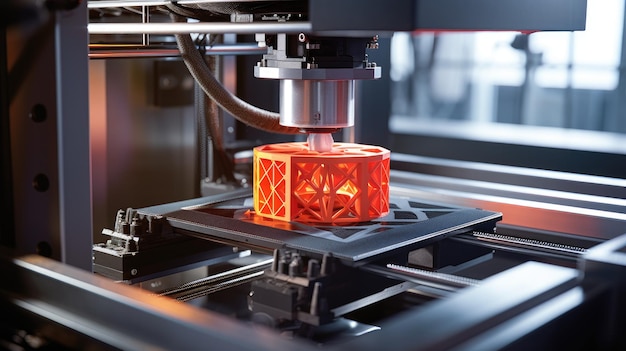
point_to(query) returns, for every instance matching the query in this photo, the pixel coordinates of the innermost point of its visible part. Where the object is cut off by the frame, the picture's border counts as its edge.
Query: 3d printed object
(348, 184)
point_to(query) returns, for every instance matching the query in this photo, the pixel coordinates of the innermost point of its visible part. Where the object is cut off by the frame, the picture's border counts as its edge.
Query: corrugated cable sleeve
(243, 111)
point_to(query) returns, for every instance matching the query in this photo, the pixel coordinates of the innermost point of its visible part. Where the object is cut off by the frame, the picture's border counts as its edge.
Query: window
(514, 83)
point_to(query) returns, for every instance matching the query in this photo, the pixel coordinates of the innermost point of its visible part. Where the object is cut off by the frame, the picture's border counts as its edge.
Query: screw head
(41, 182)
(38, 113)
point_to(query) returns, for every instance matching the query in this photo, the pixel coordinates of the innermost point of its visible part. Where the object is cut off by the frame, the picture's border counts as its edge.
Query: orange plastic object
(346, 185)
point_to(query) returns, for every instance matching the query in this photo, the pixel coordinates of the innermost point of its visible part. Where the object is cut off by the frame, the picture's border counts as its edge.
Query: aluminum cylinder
(313, 104)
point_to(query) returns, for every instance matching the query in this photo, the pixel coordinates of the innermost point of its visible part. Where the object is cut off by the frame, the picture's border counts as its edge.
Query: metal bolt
(41, 182)
(133, 271)
(38, 113)
(301, 37)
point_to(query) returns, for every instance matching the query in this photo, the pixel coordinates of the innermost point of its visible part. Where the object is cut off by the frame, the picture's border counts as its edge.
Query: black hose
(198, 14)
(241, 110)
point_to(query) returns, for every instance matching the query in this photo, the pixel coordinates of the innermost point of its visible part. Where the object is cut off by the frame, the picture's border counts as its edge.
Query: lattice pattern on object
(346, 185)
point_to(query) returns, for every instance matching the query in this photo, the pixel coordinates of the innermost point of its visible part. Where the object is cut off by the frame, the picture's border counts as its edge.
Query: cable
(241, 110)
(201, 15)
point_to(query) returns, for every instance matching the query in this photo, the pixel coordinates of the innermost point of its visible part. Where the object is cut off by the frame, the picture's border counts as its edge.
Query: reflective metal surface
(124, 3)
(588, 206)
(54, 298)
(47, 147)
(269, 72)
(217, 282)
(135, 133)
(424, 277)
(317, 103)
(147, 51)
(197, 27)
(496, 296)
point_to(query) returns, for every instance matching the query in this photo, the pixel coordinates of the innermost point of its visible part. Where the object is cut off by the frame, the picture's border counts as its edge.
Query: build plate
(409, 225)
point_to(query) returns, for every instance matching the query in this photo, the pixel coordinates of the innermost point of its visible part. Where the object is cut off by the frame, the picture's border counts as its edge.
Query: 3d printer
(334, 255)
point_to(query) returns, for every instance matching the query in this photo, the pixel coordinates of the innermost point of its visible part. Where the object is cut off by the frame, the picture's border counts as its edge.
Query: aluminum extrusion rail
(131, 3)
(198, 27)
(102, 314)
(97, 51)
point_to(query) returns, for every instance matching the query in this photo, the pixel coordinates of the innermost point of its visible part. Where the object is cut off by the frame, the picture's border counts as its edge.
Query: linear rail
(198, 27)
(217, 282)
(437, 280)
(546, 245)
(131, 3)
(97, 51)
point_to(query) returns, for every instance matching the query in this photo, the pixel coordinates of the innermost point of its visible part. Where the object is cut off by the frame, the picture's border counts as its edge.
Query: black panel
(361, 17)
(501, 14)
(373, 102)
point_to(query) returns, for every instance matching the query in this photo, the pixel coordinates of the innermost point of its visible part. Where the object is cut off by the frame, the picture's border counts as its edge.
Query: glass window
(442, 82)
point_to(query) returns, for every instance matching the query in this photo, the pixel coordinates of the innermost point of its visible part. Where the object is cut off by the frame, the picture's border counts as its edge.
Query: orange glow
(346, 185)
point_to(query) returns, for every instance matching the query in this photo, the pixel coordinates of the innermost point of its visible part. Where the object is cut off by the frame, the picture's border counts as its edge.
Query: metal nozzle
(315, 104)
(320, 142)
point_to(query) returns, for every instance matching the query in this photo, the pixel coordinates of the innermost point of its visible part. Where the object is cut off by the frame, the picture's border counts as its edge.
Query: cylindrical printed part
(317, 103)
(349, 184)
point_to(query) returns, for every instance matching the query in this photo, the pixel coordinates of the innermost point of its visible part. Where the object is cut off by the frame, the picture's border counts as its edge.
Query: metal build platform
(410, 224)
